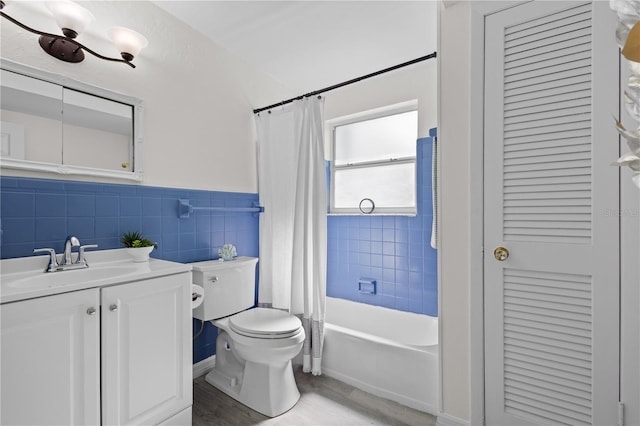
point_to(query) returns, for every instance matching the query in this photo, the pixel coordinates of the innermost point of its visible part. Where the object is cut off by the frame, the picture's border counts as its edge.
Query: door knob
(501, 253)
(113, 307)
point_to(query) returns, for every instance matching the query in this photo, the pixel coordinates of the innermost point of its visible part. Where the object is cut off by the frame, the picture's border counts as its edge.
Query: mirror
(53, 124)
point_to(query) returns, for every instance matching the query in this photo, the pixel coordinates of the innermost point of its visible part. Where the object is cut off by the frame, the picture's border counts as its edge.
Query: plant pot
(139, 254)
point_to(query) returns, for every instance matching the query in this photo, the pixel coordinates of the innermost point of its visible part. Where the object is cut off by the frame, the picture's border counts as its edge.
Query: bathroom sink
(25, 278)
(55, 279)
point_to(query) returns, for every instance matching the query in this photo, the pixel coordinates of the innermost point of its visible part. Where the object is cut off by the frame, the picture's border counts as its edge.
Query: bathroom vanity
(110, 344)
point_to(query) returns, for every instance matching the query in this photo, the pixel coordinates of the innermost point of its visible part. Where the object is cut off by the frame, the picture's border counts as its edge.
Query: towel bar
(185, 208)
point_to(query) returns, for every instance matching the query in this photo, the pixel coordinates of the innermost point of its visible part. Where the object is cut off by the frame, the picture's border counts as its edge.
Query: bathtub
(389, 353)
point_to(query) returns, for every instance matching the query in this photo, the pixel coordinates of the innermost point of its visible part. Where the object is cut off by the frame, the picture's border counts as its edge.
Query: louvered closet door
(552, 307)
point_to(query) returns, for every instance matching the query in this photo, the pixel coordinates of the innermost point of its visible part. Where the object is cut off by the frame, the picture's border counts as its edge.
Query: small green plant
(135, 239)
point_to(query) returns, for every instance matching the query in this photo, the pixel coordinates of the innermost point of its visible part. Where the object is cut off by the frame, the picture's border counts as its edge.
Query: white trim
(476, 221)
(438, 213)
(203, 367)
(66, 82)
(447, 420)
(479, 12)
(371, 114)
(62, 169)
(358, 116)
(362, 116)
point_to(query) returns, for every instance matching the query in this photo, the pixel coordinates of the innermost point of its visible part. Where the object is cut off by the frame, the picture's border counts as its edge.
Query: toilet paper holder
(197, 295)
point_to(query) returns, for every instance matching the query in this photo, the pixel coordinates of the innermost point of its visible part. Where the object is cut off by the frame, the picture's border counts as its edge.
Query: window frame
(373, 114)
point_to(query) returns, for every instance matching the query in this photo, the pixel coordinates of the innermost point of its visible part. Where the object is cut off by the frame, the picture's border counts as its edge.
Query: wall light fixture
(72, 20)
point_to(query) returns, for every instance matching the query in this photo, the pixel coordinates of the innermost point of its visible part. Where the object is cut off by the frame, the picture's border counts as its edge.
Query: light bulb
(128, 42)
(70, 17)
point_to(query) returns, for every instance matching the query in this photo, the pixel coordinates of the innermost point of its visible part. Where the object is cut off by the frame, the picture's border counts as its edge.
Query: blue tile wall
(393, 250)
(42, 212)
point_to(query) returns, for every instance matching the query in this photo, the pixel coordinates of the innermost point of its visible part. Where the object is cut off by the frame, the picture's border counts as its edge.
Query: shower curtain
(293, 227)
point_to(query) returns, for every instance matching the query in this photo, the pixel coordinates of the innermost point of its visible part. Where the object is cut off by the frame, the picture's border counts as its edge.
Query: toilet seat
(265, 323)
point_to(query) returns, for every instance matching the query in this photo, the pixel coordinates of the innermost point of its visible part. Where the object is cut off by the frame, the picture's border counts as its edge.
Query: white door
(552, 306)
(146, 350)
(51, 360)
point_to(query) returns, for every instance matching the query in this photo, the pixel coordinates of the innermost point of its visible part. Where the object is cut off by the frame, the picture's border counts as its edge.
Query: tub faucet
(72, 241)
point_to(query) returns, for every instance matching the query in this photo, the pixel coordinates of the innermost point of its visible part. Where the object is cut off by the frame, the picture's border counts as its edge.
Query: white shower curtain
(293, 227)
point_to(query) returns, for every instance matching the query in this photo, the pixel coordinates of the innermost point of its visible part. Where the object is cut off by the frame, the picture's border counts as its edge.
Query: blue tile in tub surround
(42, 212)
(393, 250)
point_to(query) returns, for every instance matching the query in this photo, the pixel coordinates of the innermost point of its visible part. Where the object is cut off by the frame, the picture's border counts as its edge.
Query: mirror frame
(137, 174)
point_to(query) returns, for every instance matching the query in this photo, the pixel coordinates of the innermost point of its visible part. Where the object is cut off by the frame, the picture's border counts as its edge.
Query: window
(374, 157)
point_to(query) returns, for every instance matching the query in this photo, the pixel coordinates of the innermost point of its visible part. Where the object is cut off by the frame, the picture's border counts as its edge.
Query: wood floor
(323, 402)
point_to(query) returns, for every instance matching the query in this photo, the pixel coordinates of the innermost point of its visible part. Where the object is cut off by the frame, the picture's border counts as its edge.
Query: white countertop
(106, 267)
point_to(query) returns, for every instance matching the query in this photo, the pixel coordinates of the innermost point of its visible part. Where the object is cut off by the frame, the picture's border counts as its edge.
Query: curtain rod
(345, 83)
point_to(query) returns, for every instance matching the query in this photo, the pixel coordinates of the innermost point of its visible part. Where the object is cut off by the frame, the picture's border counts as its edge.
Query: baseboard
(203, 367)
(448, 420)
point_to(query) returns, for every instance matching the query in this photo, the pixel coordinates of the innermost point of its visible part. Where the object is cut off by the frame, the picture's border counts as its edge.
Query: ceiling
(309, 45)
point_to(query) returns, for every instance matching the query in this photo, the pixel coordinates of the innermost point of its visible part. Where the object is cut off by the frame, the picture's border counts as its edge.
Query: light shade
(631, 49)
(70, 16)
(127, 41)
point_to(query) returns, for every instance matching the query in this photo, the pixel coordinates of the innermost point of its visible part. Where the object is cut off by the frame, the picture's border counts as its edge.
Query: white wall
(418, 81)
(198, 98)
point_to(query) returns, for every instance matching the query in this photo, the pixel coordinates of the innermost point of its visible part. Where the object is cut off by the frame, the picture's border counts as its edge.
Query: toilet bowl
(255, 346)
(258, 371)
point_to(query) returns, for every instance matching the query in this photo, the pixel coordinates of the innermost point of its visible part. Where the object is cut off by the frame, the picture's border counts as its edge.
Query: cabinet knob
(113, 307)
(213, 279)
(91, 311)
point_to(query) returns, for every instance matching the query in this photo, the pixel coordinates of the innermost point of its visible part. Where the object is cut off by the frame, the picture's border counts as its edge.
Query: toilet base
(267, 389)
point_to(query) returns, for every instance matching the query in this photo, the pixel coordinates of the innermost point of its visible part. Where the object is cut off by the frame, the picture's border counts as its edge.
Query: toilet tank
(229, 286)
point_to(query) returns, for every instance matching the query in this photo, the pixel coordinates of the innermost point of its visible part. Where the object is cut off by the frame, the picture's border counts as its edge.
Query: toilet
(255, 346)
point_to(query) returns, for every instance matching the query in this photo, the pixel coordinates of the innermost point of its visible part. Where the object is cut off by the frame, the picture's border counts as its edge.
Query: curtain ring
(372, 207)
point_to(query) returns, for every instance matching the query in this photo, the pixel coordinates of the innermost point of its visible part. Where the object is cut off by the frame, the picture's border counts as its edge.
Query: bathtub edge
(374, 390)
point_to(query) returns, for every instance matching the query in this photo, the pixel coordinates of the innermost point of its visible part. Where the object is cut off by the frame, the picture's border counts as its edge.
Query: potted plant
(137, 246)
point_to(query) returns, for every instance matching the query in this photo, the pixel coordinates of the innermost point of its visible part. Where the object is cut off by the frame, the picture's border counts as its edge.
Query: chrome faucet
(67, 262)
(72, 241)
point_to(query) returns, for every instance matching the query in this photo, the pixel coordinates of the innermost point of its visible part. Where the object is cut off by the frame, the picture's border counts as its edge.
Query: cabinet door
(50, 360)
(146, 350)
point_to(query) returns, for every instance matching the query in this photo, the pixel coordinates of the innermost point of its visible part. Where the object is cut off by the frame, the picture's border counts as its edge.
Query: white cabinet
(146, 350)
(50, 364)
(126, 362)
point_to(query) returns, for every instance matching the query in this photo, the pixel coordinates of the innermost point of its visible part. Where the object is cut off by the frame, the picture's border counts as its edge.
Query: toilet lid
(265, 323)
